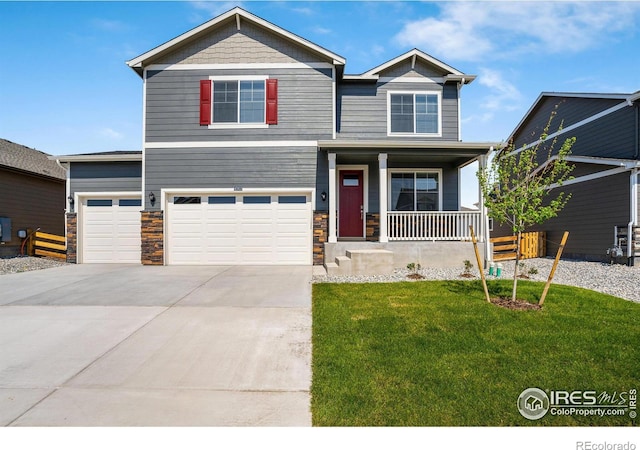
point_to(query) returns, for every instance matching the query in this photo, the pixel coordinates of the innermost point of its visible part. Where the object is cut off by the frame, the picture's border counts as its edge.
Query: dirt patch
(466, 275)
(415, 276)
(518, 305)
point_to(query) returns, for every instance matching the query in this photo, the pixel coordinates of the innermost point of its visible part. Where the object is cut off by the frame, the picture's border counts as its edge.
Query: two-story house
(605, 185)
(259, 149)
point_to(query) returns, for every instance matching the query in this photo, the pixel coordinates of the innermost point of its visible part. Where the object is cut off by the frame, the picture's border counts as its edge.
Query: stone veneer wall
(72, 238)
(151, 237)
(320, 235)
(373, 227)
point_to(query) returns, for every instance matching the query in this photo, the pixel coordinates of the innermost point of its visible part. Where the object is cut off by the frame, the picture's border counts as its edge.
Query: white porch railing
(433, 226)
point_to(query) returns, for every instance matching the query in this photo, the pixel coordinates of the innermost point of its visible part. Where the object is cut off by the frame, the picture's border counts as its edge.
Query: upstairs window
(238, 101)
(243, 101)
(414, 113)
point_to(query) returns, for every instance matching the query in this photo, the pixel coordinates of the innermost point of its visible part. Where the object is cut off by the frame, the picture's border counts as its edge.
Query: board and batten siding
(121, 176)
(362, 109)
(220, 167)
(305, 106)
(30, 201)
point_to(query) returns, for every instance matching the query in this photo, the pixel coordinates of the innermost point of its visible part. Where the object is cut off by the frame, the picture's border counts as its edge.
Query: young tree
(517, 185)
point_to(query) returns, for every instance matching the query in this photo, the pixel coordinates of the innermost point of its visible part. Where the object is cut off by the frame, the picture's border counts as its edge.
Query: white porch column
(333, 236)
(382, 160)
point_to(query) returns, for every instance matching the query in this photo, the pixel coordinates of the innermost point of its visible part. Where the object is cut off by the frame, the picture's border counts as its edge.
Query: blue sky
(65, 88)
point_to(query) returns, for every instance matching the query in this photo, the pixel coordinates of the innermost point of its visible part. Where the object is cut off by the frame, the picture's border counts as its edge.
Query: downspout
(636, 154)
(67, 191)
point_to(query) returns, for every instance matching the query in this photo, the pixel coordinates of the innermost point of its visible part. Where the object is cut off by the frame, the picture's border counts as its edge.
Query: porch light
(152, 198)
(323, 196)
(71, 201)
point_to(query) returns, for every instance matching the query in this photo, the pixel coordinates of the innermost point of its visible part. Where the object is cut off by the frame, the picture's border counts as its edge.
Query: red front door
(351, 204)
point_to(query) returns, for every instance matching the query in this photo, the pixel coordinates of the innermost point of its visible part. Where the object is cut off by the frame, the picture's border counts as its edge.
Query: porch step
(371, 261)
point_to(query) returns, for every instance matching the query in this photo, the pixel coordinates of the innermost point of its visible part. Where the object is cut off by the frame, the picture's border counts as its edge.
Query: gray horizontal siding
(106, 176)
(609, 136)
(305, 110)
(205, 168)
(362, 109)
(595, 207)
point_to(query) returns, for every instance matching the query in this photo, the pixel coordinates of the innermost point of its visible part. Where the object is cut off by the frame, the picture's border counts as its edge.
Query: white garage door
(239, 229)
(111, 230)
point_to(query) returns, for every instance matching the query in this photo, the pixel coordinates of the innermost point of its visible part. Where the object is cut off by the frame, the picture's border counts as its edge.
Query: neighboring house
(32, 191)
(259, 149)
(607, 159)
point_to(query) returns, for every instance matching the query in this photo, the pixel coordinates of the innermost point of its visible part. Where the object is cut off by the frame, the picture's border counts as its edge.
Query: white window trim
(238, 125)
(414, 93)
(409, 170)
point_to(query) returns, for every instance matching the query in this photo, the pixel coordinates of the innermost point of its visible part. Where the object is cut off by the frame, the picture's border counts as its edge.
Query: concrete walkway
(117, 345)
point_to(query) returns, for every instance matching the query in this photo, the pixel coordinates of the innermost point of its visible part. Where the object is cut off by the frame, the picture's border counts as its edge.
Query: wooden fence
(532, 245)
(50, 245)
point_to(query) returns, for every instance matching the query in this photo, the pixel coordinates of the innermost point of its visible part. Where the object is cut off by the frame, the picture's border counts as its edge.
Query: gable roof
(452, 74)
(16, 156)
(239, 14)
(629, 98)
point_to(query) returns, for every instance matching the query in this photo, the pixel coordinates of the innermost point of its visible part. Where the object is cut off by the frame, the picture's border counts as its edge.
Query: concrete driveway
(118, 345)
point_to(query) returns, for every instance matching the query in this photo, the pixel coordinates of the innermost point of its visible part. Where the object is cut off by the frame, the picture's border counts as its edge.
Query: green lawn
(434, 353)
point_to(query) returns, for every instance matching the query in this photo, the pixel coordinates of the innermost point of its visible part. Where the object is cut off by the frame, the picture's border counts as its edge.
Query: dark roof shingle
(27, 159)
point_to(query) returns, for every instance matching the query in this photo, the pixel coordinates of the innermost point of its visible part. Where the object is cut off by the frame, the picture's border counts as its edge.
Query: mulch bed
(415, 276)
(518, 305)
(466, 275)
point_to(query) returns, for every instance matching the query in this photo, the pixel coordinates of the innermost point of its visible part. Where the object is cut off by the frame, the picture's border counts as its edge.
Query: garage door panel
(110, 233)
(240, 229)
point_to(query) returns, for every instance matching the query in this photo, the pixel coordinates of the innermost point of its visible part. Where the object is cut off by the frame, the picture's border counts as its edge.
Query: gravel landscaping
(26, 264)
(619, 280)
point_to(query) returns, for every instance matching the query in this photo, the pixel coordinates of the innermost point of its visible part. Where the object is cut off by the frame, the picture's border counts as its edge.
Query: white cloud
(503, 95)
(112, 134)
(214, 8)
(321, 30)
(109, 25)
(475, 31)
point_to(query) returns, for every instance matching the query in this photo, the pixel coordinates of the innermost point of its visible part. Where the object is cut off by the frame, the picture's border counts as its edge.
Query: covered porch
(401, 197)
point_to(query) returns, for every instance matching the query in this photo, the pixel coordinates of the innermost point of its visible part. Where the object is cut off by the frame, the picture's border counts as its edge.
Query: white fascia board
(240, 66)
(592, 176)
(463, 79)
(410, 144)
(230, 144)
(360, 77)
(242, 14)
(634, 97)
(98, 158)
(410, 54)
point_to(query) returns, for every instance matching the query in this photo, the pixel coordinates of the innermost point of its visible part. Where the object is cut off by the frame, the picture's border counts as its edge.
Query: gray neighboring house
(605, 188)
(32, 191)
(259, 149)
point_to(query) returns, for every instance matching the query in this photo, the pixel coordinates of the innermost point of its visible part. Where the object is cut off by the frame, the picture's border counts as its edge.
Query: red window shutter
(272, 101)
(205, 102)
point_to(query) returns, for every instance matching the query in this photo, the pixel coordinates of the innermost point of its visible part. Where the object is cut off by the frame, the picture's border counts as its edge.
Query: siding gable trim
(239, 13)
(586, 121)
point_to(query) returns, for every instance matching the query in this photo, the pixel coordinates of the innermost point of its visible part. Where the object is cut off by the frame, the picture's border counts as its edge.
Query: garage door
(239, 229)
(111, 230)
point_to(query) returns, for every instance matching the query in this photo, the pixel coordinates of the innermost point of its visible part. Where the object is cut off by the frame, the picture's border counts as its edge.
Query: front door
(351, 204)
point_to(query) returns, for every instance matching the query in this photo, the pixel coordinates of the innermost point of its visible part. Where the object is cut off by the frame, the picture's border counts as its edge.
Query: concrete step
(344, 262)
(371, 261)
(334, 270)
